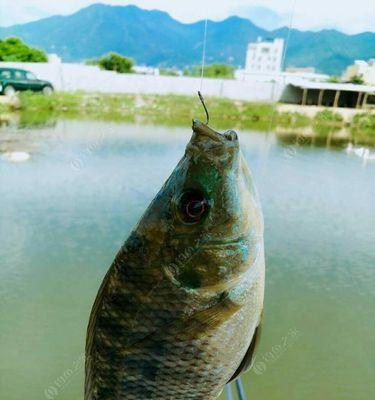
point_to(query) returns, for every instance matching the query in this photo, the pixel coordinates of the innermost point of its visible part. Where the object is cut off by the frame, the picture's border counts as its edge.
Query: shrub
(114, 62)
(222, 71)
(365, 121)
(357, 80)
(327, 116)
(169, 72)
(333, 79)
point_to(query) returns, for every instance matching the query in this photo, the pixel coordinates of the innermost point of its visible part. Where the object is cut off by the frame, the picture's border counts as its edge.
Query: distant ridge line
(154, 38)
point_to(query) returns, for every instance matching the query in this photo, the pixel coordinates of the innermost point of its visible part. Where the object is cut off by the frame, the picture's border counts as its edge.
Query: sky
(350, 17)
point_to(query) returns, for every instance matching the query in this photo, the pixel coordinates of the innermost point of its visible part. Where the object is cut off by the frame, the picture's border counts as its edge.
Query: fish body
(178, 313)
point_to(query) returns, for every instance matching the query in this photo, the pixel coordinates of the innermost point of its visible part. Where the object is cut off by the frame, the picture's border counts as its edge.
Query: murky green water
(65, 212)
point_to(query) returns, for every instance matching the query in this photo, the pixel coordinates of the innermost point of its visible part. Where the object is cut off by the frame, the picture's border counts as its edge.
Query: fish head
(206, 219)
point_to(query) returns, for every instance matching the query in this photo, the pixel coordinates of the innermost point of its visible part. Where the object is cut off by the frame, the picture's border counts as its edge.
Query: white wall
(73, 77)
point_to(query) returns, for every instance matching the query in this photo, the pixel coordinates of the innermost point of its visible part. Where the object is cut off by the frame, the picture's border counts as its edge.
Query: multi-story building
(265, 56)
(361, 69)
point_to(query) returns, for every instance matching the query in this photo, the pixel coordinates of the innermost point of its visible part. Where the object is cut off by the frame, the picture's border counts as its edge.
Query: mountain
(155, 38)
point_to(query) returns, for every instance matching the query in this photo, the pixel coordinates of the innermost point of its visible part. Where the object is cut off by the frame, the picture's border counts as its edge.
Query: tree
(114, 62)
(14, 49)
(222, 71)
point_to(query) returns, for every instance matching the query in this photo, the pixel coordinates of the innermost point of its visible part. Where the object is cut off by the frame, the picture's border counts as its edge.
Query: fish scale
(176, 315)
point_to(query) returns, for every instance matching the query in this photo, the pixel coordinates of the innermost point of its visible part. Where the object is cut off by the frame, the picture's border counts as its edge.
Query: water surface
(65, 212)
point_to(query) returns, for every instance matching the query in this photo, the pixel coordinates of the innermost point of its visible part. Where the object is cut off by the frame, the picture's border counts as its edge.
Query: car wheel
(47, 90)
(9, 91)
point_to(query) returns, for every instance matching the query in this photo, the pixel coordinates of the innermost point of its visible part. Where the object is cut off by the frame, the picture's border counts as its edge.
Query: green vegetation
(365, 121)
(363, 128)
(357, 80)
(168, 72)
(139, 33)
(328, 117)
(176, 110)
(333, 79)
(13, 49)
(114, 62)
(222, 71)
(295, 120)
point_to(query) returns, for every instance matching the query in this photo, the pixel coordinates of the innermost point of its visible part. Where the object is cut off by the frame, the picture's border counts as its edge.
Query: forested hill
(155, 38)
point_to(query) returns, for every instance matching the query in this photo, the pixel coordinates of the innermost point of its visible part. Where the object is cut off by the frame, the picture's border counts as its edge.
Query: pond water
(66, 210)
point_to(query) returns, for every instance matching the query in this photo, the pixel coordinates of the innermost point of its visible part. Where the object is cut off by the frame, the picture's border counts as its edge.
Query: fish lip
(204, 130)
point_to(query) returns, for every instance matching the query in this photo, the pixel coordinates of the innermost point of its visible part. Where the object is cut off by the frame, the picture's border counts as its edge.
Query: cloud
(262, 16)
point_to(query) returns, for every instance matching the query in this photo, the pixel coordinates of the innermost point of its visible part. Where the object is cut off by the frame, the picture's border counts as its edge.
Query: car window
(19, 75)
(30, 76)
(5, 74)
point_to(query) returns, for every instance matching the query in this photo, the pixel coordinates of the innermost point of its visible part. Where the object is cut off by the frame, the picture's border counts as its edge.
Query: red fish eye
(193, 206)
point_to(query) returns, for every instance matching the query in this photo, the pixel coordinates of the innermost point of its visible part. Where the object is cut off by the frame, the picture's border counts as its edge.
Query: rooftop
(350, 87)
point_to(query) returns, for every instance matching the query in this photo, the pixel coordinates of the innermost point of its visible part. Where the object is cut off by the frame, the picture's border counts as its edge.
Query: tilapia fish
(177, 316)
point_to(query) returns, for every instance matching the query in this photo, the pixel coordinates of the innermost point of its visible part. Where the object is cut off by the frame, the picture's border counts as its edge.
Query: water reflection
(326, 129)
(65, 212)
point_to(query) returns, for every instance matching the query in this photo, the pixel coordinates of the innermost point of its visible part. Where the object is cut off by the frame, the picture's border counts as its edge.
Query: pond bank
(175, 110)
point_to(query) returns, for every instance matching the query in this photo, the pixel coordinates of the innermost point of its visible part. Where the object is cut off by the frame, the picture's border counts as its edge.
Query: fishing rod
(240, 390)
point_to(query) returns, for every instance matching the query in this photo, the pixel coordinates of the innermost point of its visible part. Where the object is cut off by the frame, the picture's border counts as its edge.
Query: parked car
(13, 80)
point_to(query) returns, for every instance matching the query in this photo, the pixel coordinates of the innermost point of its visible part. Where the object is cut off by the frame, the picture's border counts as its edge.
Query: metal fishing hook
(204, 106)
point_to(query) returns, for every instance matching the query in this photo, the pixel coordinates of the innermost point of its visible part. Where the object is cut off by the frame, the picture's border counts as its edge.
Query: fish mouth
(204, 130)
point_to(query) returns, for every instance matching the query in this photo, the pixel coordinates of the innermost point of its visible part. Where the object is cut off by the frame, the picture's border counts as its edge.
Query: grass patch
(363, 128)
(328, 117)
(158, 109)
(179, 110)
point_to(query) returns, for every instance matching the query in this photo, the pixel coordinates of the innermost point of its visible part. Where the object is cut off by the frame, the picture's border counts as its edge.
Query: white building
(265, 56)
(363, 69)
(53, 58)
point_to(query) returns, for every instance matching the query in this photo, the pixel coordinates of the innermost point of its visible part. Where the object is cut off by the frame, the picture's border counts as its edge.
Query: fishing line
(275, 89)
(202, 70)
(283, 59)
(291, 21)
(204, 52)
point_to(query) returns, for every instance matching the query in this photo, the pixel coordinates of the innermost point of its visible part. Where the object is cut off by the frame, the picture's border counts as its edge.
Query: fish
(178, 314)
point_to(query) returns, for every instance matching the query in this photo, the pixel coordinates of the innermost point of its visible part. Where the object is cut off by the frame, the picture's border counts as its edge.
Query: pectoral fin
(248, 359)
(211, 318)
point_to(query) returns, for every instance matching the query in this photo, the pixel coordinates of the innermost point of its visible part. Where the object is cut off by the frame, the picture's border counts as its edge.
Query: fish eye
(193, 206)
